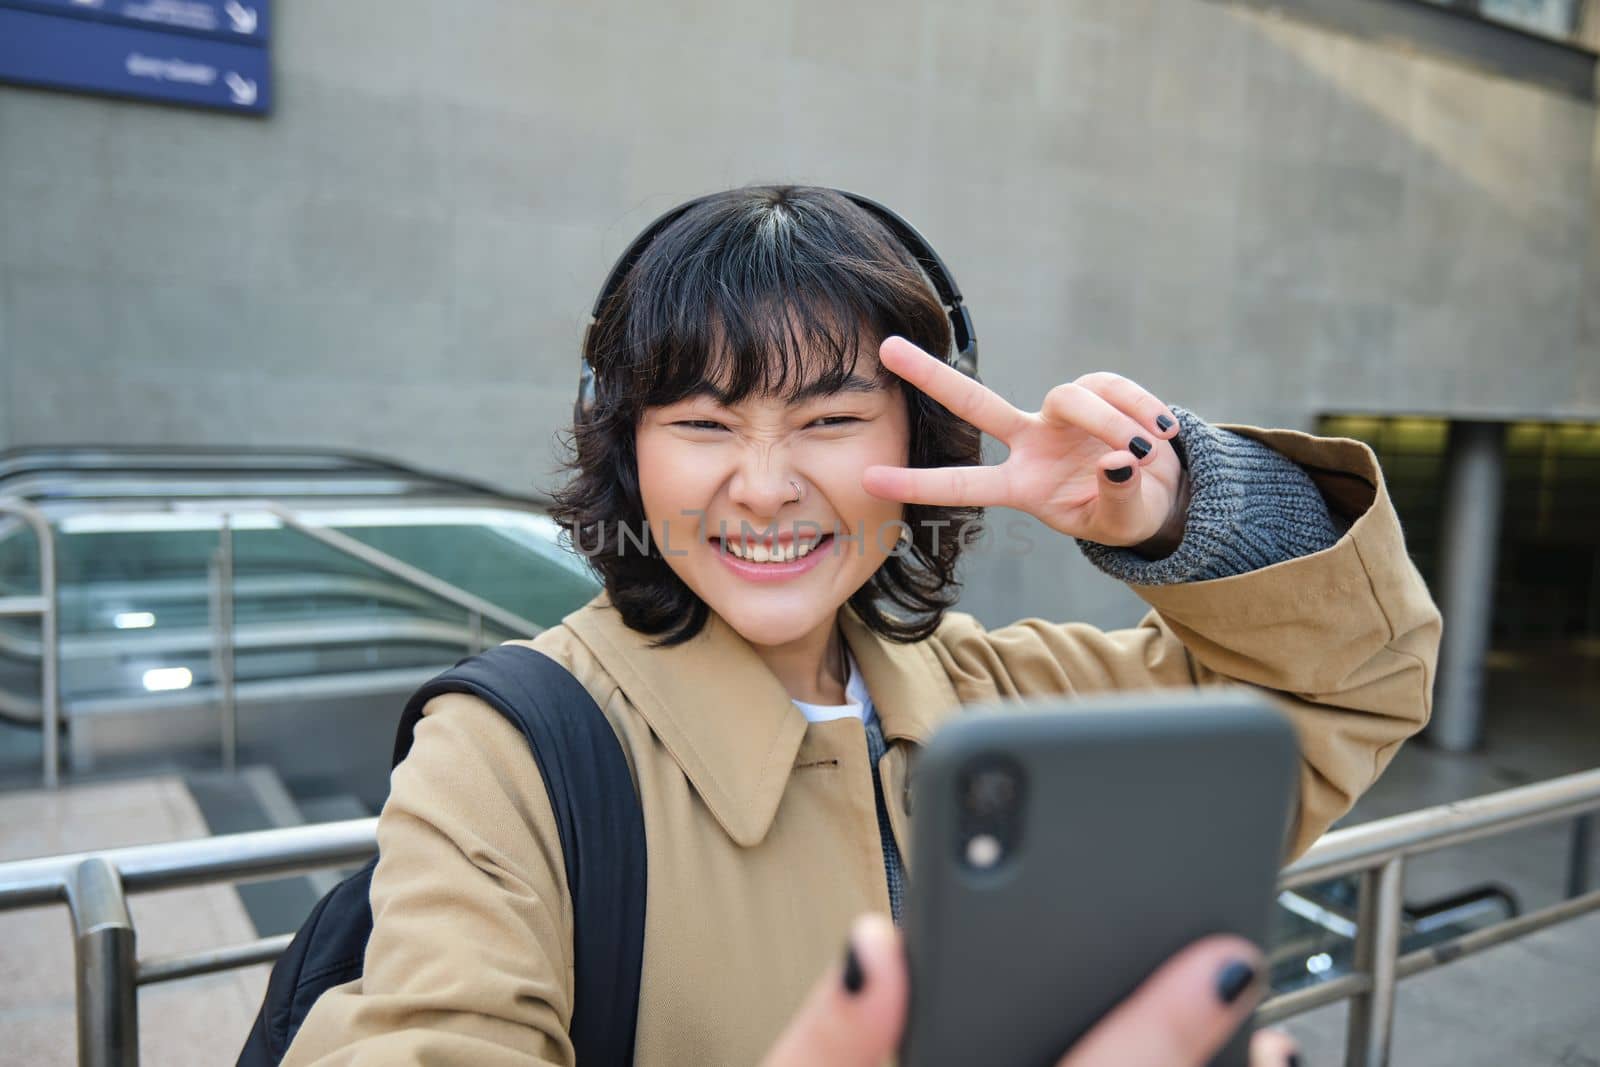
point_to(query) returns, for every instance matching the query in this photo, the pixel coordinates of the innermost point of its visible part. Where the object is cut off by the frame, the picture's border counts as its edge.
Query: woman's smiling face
(718, 482)
(722, 357)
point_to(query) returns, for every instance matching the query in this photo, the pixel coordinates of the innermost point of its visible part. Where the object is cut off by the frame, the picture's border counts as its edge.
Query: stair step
(254, 798)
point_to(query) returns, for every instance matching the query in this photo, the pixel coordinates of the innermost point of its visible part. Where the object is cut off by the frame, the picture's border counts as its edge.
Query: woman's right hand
(1179, 1017)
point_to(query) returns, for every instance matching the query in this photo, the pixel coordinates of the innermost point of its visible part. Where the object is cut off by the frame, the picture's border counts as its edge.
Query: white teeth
(760, 553)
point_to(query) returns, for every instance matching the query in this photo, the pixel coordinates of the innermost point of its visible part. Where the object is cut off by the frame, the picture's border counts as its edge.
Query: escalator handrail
(398, 568)
(14, 463)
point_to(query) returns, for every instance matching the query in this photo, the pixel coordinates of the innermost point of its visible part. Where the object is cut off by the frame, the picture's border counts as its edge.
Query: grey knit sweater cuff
(1249, 508)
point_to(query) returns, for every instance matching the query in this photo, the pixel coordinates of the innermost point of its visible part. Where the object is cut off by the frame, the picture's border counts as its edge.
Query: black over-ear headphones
(963, 359)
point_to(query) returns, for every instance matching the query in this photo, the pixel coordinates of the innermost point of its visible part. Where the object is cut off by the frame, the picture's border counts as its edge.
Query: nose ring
(797, 493)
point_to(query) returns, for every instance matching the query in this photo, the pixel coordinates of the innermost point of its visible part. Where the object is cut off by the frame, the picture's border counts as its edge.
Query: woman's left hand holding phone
(1093, 462)
(1180, 1017)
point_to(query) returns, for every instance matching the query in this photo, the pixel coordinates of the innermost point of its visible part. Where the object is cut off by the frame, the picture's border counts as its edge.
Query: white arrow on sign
(244, 18)
(243, 89)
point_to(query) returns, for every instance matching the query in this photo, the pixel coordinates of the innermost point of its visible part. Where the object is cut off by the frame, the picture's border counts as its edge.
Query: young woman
(771, 480)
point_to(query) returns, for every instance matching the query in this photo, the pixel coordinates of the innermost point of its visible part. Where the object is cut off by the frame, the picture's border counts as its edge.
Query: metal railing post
(222, 639)
(1377, 951)
(43, 606)
(475, 627)
(107, 967)
(1578, 857)
(49, 653)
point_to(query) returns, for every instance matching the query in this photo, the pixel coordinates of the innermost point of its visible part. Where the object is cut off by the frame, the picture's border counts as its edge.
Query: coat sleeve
(1345, 639)
(470, 959)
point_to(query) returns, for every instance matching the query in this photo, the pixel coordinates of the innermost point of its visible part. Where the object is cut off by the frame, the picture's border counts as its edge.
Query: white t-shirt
(858, 706)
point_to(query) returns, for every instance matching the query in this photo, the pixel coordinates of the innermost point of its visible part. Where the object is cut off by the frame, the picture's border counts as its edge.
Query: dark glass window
(1548, 564)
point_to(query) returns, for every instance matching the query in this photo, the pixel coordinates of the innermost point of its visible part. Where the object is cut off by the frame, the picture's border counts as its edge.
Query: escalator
(324, 641)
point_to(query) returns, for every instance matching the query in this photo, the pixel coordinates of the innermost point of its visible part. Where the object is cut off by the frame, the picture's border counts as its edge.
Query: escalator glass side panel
(511, 560)
(19, 558)
(138, 594)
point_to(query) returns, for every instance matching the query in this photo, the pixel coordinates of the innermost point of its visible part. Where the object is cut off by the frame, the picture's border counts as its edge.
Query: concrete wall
(1256, 219)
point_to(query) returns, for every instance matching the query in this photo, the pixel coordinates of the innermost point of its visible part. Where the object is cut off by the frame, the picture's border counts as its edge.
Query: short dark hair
(740, 289)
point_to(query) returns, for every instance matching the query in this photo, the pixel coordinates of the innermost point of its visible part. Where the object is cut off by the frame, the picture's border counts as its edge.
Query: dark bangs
(766, 291)
(762, 291)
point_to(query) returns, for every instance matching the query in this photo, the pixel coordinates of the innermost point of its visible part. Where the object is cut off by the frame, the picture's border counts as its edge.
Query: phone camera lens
(992, 795)
(991, 792)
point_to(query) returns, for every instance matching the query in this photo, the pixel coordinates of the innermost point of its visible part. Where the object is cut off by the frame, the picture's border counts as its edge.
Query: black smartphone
(1063, 850)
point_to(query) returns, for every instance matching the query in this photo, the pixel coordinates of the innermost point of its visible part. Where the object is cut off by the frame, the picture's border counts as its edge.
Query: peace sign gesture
(1066, 459)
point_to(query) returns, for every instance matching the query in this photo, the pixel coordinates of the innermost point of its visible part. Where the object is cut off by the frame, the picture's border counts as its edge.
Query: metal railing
(222, 597)
(94, 887)
(45, 607)
(1378, 851)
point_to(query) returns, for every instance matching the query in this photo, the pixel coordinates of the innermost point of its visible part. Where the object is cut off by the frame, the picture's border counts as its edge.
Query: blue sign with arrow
(122, 60)
(232, 20)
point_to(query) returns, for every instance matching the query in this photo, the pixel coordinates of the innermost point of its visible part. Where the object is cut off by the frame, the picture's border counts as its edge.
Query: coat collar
(729, 723)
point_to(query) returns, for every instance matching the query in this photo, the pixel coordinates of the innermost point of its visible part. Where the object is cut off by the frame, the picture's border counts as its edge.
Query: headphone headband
(964, 359)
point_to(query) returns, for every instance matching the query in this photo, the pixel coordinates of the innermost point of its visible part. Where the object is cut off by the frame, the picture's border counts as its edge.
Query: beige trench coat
(762, 829)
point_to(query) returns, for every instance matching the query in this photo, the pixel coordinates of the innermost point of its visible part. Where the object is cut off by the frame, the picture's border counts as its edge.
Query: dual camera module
(991, 806)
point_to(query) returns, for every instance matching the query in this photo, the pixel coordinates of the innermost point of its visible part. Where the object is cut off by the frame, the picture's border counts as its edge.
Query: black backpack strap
(599, 819)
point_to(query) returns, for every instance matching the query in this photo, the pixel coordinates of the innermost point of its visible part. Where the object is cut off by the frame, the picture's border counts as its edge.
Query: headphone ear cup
(966, 362)
(966, 340)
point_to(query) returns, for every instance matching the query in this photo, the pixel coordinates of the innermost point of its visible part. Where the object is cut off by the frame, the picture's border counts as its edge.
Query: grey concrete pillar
(1471, 536)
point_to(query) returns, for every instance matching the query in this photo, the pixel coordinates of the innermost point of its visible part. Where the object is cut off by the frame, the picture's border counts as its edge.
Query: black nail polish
(1235, 978)
(1294, 1059)
(1163, 423)
(1120, 474)
(1139, 447)
(854, 977)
